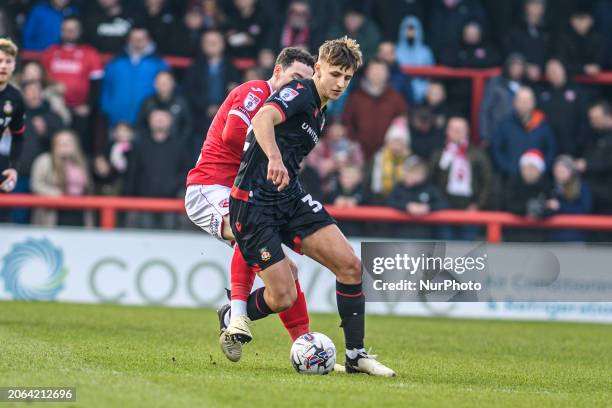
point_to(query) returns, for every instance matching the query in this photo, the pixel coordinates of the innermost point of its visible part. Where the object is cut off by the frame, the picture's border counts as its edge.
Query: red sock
(296, 318)
(241, 277)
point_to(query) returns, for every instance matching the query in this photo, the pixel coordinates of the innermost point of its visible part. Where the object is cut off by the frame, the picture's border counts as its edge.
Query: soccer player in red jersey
(208, 190)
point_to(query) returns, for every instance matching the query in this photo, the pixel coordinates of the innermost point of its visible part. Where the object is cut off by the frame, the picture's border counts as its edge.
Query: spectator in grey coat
(499, 95)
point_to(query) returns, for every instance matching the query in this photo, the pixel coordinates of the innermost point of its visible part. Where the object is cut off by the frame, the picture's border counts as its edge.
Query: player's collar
(315, 93)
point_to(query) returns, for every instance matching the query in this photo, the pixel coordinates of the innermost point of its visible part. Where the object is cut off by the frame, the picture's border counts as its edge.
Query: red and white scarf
(292, 39)
(454, 159)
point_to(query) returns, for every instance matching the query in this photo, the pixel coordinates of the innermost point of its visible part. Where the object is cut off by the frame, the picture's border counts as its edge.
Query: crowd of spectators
(107, 114)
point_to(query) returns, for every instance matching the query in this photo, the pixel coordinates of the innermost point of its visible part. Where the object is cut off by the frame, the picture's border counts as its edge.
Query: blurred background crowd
(107, 114)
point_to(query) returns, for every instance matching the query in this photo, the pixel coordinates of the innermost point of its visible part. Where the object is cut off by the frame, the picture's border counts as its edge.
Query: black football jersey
(303, 121)
(12, 116)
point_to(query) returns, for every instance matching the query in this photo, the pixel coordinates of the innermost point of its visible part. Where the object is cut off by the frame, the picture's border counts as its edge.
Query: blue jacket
(512, 139)
(416, 53)
(583, 204)
(43, 26)
(126, 84)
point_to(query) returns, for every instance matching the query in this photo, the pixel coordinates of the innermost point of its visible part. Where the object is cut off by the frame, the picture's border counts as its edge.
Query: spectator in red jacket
(79, 68)
(372, 107)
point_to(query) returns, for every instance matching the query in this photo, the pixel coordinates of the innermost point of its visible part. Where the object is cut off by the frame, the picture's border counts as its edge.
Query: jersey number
(316, 206)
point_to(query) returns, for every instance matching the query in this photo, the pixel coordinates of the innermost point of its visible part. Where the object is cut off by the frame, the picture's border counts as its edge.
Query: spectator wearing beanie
(571, 195)
(526, 128)
(387, 166)
(526, 194)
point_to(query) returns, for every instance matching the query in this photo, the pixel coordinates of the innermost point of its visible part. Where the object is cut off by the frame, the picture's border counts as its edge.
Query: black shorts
(261, 229)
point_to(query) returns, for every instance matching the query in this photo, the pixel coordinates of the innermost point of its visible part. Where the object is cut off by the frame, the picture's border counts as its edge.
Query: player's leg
(329, 247)
(295, 319)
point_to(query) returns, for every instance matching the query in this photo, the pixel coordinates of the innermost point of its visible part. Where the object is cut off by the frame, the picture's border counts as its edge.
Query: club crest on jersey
(7, 108)
(288, 94)
(265, 254)
(251, 102)
(224, 203)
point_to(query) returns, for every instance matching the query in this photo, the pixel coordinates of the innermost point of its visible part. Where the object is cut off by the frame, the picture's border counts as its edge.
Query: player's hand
(277, 173)
(10, 182)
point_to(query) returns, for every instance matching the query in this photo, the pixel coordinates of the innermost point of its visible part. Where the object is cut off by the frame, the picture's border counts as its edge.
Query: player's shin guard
(296, 318)
(351, 307)
(257, 308)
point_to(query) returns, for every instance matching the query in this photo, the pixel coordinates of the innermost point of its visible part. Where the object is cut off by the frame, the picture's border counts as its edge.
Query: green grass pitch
(119, 356)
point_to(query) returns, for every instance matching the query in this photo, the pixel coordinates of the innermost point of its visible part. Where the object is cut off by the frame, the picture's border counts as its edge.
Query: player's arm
(263, 128)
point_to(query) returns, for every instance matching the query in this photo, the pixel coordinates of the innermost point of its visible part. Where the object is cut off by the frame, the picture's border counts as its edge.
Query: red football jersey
(73, 66)
(222, 150)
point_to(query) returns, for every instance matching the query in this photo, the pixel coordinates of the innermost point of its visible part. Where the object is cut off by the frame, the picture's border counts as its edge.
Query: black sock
(257, 308)
(351, 307)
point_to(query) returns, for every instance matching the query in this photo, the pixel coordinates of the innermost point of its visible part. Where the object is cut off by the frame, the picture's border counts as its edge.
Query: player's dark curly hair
(290, 55)
(344, 52)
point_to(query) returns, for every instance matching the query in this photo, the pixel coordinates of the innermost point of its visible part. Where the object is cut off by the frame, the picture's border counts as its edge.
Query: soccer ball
(313, 353)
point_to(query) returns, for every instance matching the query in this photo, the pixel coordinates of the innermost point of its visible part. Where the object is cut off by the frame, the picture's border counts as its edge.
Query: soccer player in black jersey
(268, 206)
(11, 115)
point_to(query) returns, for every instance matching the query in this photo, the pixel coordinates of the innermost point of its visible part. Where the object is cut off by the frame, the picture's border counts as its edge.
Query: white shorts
(206, 205)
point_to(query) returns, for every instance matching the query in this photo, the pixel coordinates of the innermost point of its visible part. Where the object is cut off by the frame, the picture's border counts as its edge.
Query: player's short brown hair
(290, 55)
(8, 47)
(344, 52)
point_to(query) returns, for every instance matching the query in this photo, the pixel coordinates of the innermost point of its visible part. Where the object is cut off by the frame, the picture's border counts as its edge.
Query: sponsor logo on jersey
(288, 94)
(257, 90)
(251, 102)
(311, 132)
(265, 254)
(7, 108)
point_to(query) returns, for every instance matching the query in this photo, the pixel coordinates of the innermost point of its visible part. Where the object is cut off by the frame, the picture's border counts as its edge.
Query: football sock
(257, 308)
(238, 307)
(353, 353)
(351, 307)
(296, 318)
(226, 317)
(241, 280)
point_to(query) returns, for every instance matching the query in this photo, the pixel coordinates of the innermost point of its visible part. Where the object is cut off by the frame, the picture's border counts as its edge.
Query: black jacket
(195, 88)
(517, 194)
(565, 110)
(533, 43)
(424, 193)
(177, 106)
(598, 174)
(578, 51)
(156, 169)
(106, 33)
